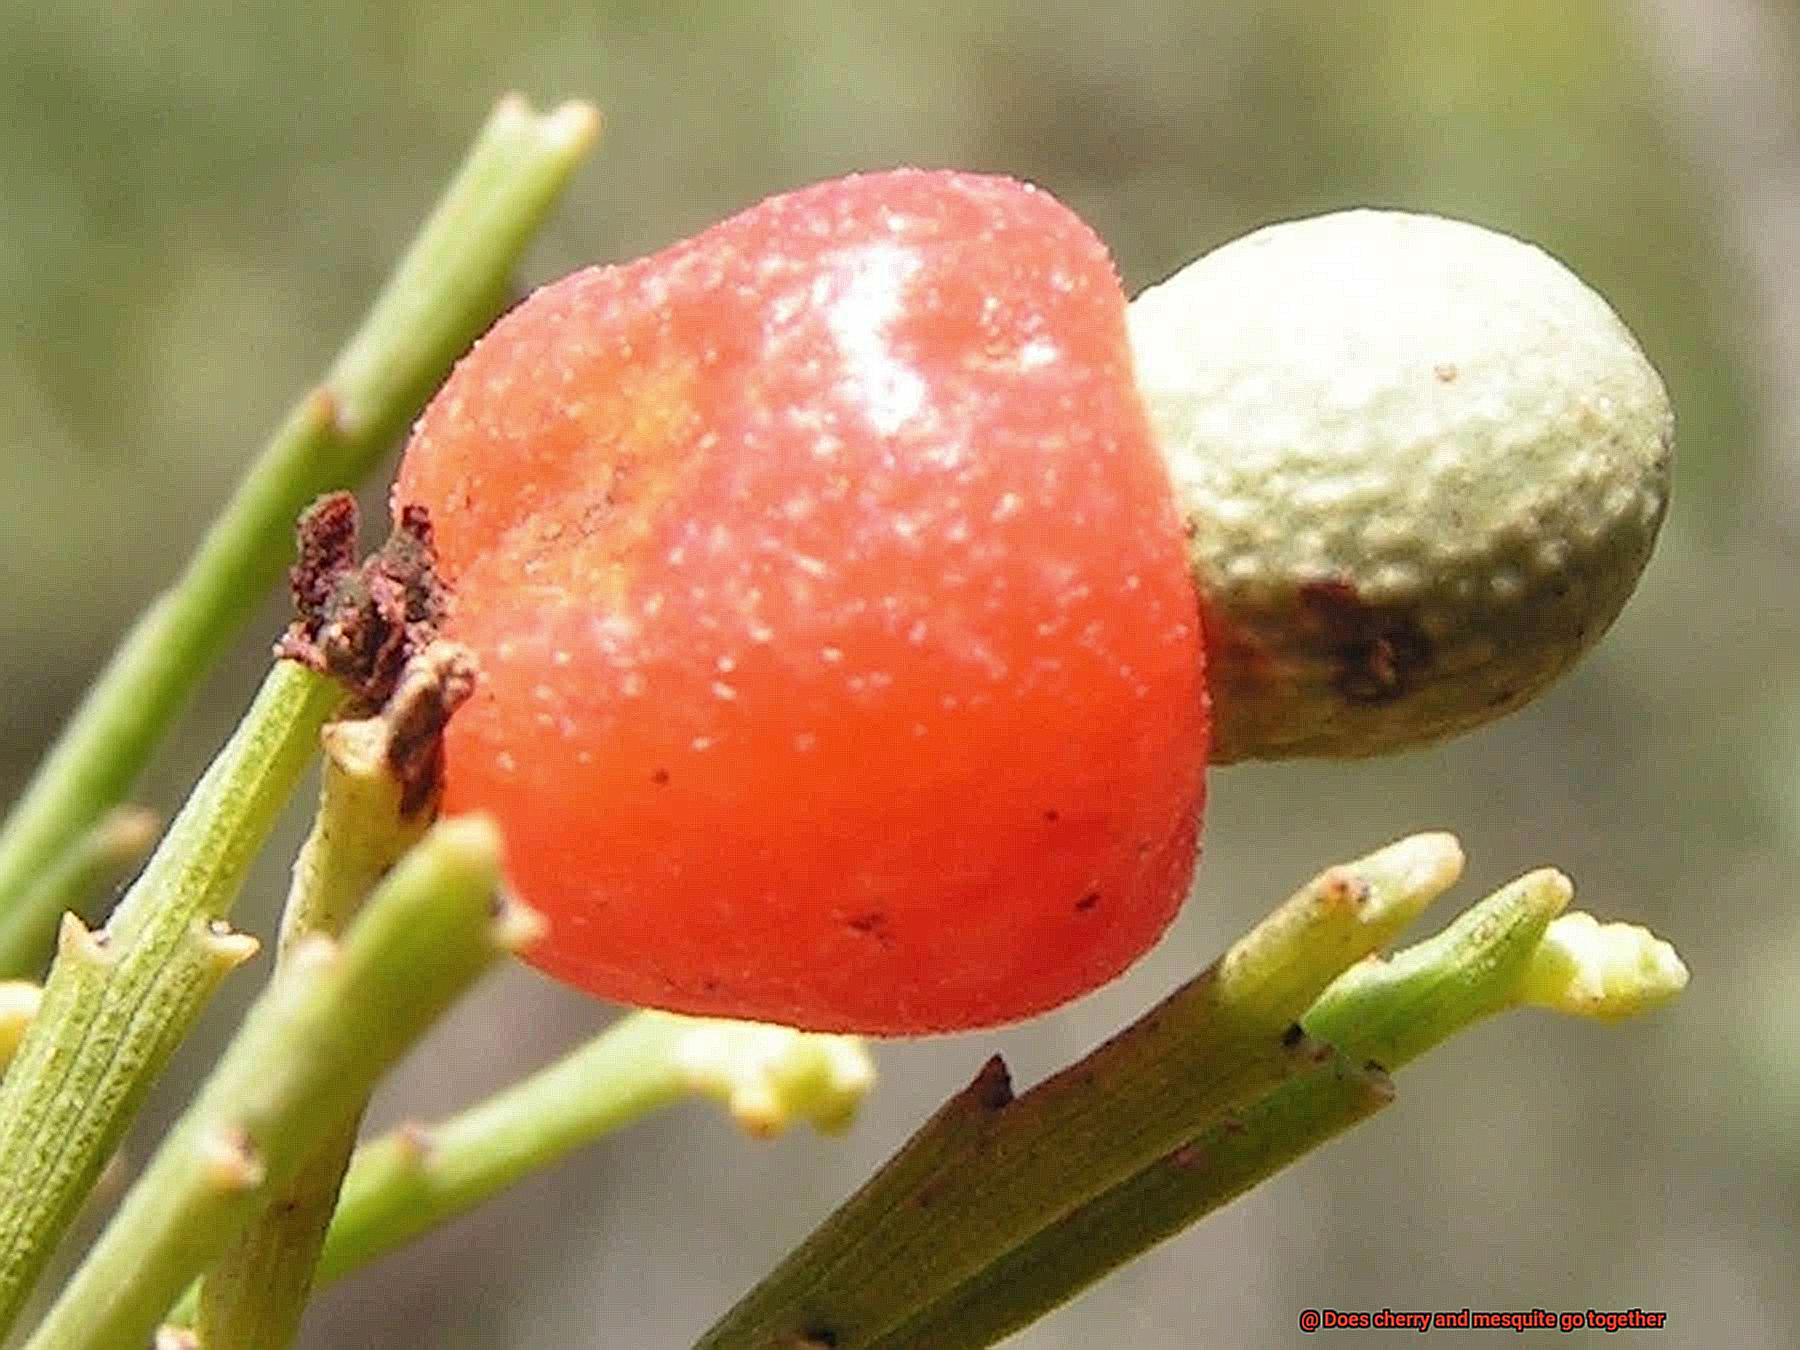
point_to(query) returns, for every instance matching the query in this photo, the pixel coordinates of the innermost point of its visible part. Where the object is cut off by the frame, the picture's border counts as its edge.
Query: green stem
(989, 1171)
(254, 1296)
(421, 1176)
(443, 293)
(1216, 1166)
(1378, 1013)
(117, 1003)
(311, 1049)
(1393, 1010)
(97, 861)
(416, 1178)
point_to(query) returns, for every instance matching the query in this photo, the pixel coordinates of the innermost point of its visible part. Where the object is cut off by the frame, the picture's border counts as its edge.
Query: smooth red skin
(841, 666)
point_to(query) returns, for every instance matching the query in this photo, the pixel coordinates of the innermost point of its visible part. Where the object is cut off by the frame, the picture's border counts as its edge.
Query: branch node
(231, 1160)
(1188, 1157)
(224, 945)
(413, 1142)
(992, 1087)
(325, 410)
(75, 941)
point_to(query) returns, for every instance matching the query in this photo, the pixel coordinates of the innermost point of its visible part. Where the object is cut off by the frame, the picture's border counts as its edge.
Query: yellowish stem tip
(768, 1076)
(1607, 971)
(570, 126)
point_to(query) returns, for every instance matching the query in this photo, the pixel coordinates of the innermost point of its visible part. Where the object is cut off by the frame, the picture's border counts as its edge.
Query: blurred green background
(197, 199)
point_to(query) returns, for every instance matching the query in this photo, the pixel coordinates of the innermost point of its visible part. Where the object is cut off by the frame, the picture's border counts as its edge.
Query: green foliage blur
(196, 200)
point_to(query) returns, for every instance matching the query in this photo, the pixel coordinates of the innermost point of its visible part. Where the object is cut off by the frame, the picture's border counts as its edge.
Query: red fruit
(840, 661)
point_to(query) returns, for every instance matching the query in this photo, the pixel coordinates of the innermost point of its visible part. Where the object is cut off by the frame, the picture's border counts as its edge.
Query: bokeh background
(196, 199)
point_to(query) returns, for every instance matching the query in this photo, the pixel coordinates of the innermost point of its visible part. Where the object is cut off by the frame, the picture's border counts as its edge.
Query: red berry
(840, 660)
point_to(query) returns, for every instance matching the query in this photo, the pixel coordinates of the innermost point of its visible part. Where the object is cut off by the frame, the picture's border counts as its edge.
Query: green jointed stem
(200, 863)
(1393, 1010)
(421, 1176)
(253, 1297)
(1216, 1166)
(118, 1002)
(989, 1171)
(443, 293)
(333, 1021)
(418, 1177)
(1379, 1013)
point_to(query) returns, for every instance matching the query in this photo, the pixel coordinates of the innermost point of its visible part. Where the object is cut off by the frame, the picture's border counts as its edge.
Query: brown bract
(362, 622)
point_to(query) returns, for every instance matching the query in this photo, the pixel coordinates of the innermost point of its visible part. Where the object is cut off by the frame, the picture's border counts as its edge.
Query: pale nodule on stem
(767, 1077)
(443, 293)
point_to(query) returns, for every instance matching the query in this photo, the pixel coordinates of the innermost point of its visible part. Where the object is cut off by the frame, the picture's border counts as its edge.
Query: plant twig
(372, 809)
(117, 1002)
(1203, 1174)
(421, 1176)
(1509, 949)
(442, 294)
(989, 1171)
(332, 1022)
(418, 1177)
(97, 861)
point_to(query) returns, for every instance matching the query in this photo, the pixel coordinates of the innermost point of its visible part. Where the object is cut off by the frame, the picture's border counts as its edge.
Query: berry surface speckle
(841, 665)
